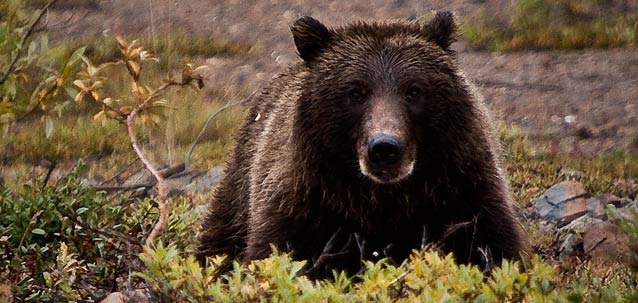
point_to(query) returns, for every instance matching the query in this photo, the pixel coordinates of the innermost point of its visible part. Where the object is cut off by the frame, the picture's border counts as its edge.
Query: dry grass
(171, 48)
(531, 173)
(548, 24)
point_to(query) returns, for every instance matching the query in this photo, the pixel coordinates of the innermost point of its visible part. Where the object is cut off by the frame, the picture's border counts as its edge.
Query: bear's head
(379, 100)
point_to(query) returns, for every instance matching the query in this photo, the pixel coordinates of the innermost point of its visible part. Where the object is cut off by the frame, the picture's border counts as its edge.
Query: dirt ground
(579, 102)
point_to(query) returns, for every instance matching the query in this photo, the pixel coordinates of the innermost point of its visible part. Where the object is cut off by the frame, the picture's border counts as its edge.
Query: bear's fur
(301, 175)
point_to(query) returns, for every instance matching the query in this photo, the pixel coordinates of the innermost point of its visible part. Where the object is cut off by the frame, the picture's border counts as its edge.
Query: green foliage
(425, 277)
(548, 24)
(39, 223)
(71, 242)
(35, 74)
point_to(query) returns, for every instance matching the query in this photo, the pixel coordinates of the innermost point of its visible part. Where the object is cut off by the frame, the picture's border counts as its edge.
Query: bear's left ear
(441, 29)
(311, 37)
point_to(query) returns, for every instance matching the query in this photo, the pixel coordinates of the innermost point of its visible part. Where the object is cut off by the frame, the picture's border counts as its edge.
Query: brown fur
(299, 177)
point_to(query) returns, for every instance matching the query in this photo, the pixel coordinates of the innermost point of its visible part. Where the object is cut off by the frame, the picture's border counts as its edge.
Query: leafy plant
(143, 103)
(72, 223)
(28, 81)
(425, 277)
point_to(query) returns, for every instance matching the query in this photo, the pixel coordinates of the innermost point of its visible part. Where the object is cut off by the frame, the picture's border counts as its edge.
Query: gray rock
(138, 296)
(628, 211)
(580, 225)
(595, 209)
(562, 203)
(611, 199)
(205, 182)
(177, 184)
(568, 245)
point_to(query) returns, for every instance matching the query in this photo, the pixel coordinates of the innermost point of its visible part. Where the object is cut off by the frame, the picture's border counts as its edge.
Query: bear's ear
(311, 37)
(441, 29)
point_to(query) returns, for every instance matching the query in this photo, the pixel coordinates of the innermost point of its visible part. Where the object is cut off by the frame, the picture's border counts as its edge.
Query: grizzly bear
(373, 146)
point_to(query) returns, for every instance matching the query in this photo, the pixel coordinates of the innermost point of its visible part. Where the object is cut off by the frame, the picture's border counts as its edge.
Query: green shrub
(425, 277)
(71, 242)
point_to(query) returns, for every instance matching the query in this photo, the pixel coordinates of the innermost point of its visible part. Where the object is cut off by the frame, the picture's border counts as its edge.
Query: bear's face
(374, 96)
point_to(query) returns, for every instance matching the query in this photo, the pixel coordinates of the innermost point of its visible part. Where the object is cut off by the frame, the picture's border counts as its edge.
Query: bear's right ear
(441, 29)
(311, 37)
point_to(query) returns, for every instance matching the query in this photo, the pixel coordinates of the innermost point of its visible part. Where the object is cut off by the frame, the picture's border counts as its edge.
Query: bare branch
(161, 188)
(23, 41)
(162, 192)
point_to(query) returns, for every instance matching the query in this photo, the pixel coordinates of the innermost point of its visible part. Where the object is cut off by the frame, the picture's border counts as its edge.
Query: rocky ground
(578, 102)
(586, 224)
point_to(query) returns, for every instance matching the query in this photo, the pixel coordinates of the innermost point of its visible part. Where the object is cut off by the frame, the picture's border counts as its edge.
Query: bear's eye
(413, 92)
(356, 93)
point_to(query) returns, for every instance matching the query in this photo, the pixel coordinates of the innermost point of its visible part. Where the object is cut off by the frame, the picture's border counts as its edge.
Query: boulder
(605, 241)
(562, 203)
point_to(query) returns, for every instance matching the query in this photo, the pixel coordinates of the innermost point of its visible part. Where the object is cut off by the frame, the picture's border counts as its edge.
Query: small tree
(142, 103)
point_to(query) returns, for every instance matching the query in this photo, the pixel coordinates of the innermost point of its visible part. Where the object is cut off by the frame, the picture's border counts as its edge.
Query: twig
(48, 176)
(456, 227)
(326, 255)
(123, 188)
(210, 118)
(397, 279)
(26, 36)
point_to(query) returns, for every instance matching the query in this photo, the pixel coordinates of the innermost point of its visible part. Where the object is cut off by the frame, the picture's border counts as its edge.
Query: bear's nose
(384, 150)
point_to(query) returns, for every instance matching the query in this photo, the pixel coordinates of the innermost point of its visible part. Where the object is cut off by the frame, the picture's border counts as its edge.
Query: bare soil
(578, 102)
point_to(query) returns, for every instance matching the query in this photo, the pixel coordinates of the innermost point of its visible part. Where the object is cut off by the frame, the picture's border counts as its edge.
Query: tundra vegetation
(64, 240)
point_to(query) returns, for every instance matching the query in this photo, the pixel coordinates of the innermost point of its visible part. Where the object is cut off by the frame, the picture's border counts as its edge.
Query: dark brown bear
(372, 147)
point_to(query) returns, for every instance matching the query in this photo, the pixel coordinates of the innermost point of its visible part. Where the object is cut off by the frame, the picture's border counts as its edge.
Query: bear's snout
(384, 150)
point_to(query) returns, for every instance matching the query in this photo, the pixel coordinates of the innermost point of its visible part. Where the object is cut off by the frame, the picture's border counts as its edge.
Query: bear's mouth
(385, 175)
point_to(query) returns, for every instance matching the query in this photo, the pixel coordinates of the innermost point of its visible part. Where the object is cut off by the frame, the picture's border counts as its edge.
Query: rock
(628, 211)
(176, 184)
(605, 241)
(580, 225)
(611, 199)
(562, 203)
(568, 245)
(205, 182)
(596, 207)
(142, 176)
(137, 296)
